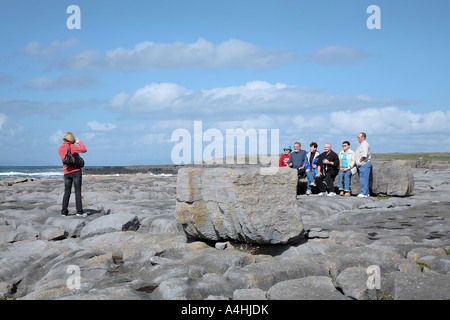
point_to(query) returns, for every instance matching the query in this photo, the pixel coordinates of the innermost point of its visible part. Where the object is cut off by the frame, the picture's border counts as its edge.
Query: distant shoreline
(418, 159)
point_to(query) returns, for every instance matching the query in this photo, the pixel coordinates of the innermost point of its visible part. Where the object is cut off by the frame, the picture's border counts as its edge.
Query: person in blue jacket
(311, 166)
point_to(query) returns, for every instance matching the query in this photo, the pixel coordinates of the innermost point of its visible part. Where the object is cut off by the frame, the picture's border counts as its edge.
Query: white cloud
(339, 55)
(31, 107)
(36, 49)
(97, 126)
(2, 120)
(63, 82)
(203, 54)
(252, 98)
(56, 137)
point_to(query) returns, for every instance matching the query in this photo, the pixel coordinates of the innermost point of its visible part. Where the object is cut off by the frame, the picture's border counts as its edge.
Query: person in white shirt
(362, 159)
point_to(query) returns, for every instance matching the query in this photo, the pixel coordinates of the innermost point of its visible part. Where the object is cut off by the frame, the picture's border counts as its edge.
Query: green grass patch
(424, 156)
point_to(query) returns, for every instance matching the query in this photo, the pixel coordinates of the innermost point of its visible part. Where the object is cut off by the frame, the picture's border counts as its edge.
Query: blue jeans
(364, 176)
(344, 180)
(310, 175)
(69, 179)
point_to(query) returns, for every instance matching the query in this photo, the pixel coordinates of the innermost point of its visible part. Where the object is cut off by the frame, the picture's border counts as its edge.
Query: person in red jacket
(285, 157)
(72, 175)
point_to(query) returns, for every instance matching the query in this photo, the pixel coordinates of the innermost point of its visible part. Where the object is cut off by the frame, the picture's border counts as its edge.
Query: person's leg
(330, 181)
(301, 173)
(347, 179)
(364, 174)
(67, 190)
(310, 175)
(77, 180)
(340, 179)
(320, 184)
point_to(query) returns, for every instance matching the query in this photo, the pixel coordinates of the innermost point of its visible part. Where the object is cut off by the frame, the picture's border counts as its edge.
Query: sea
(41, 172)
(45, 172)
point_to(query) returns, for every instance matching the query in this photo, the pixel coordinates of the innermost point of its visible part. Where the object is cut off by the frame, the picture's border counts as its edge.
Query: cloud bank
(338, 55)
(233, 53)
(255, 97)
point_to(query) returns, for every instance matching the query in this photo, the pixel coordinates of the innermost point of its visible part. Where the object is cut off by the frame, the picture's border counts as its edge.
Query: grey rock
(72, 226)
(422, 286)
(407, 237)
(307, 288)
(249, 294)
(264, 275)
(249, 205)
(110, 223)
(353, 283)
(392, 178)
(53, 234)
(186, 288)
(221, 245)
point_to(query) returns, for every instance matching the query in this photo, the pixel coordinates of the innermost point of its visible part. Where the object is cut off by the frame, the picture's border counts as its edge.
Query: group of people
(321, 169)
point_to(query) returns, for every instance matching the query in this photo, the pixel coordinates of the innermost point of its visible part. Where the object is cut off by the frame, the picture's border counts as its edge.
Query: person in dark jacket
(327, 170)
(72, 175)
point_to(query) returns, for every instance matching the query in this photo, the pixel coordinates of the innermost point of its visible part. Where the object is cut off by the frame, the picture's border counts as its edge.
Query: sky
(126, 76)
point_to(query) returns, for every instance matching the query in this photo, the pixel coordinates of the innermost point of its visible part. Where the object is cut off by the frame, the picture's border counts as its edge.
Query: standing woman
(347, 168)
(71, 174)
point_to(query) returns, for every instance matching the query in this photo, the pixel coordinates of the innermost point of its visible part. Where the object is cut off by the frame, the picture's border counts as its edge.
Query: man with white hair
(327, 169)
(362, 159)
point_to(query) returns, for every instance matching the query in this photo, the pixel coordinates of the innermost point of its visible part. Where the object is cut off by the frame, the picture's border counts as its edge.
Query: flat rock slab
(307, 288)
(110, 223)
(253, 205)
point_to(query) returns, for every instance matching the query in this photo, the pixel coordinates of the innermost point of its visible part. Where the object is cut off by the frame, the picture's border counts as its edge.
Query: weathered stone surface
(307, 288)
(71, 226)
(110, 223)
(407, 237)
(422, 286)
(264, 275)
(392, 178)
(253, 205)
(249, 294)
(353, 283)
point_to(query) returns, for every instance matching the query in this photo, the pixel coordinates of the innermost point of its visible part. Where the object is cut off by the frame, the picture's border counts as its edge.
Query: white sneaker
(362, 196)
(312, 184)
(331, 194)
(321, 193)
(308, 192)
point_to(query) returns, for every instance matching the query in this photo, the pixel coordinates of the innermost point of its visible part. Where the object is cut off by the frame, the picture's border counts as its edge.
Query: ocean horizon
(56, 172)
(34, 172)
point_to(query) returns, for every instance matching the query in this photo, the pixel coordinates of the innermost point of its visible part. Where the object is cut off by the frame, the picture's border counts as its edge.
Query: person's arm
(303, 164)
(289, 162)
(336, 161)
(78, 149)
(319, 164)
(363, 151)
(307, 164)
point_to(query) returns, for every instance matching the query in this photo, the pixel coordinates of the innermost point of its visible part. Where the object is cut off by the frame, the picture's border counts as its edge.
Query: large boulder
(388, 177)
(248, 204)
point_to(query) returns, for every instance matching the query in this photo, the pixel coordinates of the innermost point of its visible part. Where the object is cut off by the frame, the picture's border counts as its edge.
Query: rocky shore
(129, 245)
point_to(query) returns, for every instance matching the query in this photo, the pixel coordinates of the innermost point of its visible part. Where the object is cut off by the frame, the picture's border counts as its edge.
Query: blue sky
(138, 70)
